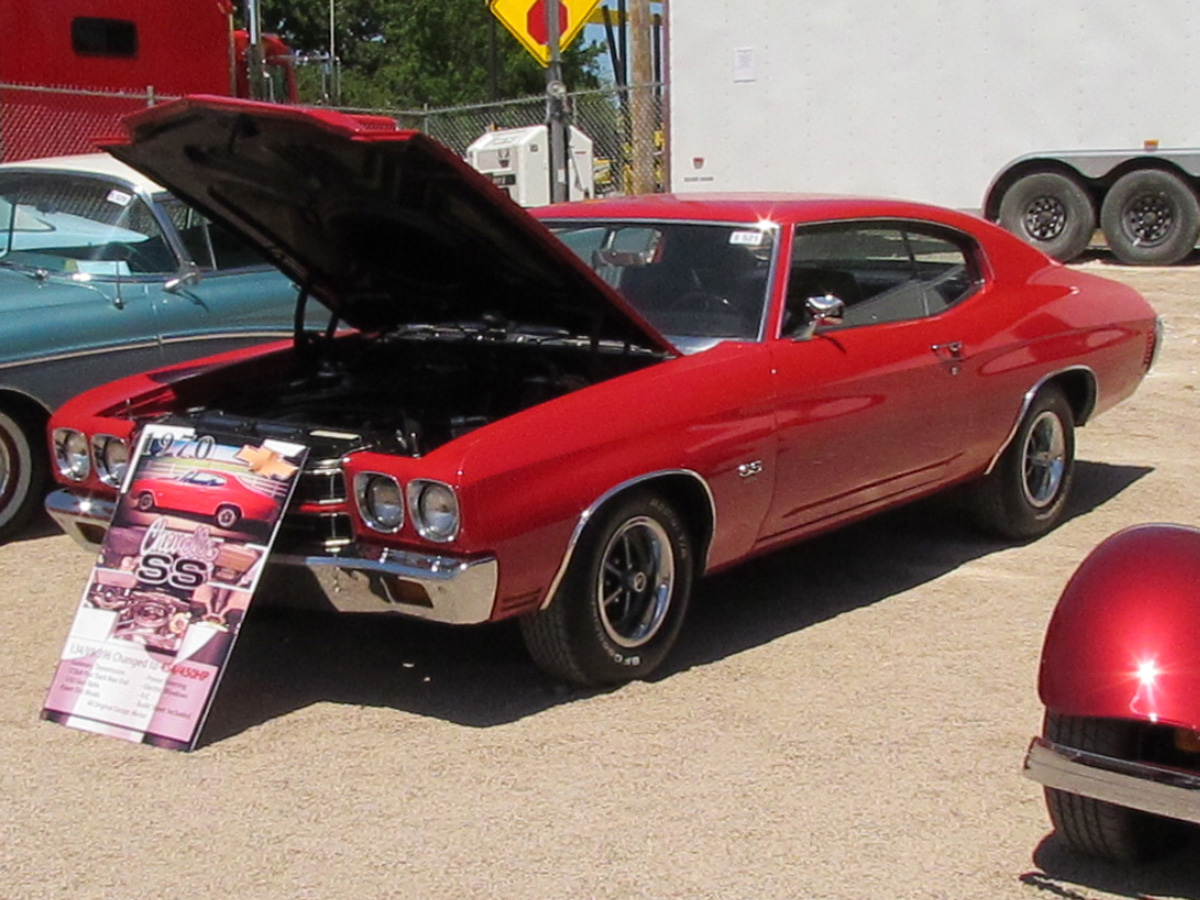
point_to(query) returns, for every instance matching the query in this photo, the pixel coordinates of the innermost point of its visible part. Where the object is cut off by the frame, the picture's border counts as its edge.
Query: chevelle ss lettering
(568, 421)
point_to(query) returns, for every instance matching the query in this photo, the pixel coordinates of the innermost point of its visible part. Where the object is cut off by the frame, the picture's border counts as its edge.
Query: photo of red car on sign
(223, 497)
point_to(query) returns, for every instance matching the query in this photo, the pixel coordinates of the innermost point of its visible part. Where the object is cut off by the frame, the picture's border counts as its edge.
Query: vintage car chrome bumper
(1150, 788)
(447, 589)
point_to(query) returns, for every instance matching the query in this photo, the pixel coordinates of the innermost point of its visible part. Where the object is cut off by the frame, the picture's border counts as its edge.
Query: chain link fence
(625, 125)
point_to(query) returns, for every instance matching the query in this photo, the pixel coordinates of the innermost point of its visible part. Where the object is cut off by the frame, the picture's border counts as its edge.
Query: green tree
(409, 54)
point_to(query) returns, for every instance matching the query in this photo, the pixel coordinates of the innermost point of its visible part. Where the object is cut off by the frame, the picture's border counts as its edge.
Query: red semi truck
(70, 68)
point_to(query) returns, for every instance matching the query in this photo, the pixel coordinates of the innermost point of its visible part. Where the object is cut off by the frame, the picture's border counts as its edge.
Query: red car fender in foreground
(1124, 641)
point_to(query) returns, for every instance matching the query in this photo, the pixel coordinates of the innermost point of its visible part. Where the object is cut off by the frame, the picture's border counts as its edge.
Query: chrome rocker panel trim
(458, 591)
(1154, 789)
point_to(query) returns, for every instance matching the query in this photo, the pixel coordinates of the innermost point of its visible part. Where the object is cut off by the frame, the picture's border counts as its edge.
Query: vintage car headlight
(71, 453)
(380, 500)
(434, 508)
(112, 457)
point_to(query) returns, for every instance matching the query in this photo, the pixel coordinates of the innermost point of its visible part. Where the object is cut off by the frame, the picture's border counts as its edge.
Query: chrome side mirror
(824, 309)
(188, 276)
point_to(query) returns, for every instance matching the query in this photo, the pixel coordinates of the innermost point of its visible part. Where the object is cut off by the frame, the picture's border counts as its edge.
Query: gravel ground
(845, 719)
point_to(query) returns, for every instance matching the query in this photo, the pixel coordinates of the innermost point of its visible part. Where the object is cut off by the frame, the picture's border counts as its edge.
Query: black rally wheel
(22, 475)
(1051, 211)
(620, 606)
(1026, 493)
(1095, 827)
(1150, 218)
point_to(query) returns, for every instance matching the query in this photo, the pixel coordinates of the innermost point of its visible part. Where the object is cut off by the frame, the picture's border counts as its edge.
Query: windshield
(78, 226)
(695, 283)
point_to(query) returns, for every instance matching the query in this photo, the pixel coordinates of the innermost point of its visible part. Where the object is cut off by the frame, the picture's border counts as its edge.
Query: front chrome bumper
(1159, 790)
(447, 589)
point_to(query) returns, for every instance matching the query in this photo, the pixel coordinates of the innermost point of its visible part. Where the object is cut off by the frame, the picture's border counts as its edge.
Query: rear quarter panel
(1037, 318)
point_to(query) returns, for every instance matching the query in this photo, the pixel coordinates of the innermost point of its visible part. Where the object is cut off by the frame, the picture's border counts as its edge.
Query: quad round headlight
(112, 458)
(434, 507)
(380, 500)
(71, 453)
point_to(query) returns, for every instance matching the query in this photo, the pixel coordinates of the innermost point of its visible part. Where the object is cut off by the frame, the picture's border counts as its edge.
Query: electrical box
(518, 161)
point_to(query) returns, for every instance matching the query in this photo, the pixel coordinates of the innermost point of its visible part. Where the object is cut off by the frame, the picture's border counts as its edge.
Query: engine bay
(405, 393)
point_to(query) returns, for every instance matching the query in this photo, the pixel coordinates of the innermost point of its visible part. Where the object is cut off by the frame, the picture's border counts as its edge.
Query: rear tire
(1095, 827)
(1150, 218)
(620, 606)
(1026, 493)
(23, 474)
(1051, 211)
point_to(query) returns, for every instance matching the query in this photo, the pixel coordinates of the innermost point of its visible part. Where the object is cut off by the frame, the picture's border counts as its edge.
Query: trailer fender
(1124, 639)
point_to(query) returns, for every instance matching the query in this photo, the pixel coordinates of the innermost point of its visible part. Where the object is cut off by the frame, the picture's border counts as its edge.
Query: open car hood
(385, 227)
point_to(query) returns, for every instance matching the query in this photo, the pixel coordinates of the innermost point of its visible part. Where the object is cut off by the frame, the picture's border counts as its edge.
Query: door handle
(951, 350)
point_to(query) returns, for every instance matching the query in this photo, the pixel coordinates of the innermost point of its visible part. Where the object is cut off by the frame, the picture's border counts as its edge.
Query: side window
(882, 272)
(104, 37)
(209, 245)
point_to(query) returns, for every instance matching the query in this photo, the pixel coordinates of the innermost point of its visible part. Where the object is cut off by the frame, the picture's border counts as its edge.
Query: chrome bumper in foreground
(1172, 793)
(439, 588)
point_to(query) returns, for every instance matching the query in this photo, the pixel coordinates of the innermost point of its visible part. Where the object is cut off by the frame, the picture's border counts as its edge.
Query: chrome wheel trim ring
(636, 582)
(10, 471)
(1044, 462)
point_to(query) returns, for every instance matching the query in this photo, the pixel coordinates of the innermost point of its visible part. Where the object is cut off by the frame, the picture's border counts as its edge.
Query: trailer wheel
(1051, 211)
(1150, 218)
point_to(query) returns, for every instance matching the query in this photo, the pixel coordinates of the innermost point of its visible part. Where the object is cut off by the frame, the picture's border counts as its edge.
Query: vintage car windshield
(695, 283)
(78, 226)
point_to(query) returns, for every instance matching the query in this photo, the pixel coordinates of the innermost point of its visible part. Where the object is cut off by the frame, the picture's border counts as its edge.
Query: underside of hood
(385, 227)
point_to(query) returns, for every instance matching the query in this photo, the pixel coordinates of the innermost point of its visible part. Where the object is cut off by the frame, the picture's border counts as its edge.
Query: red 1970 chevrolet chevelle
(569, 421)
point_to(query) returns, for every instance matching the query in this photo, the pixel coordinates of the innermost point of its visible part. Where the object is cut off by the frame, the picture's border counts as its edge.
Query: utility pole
(254, 50)
(643, 119)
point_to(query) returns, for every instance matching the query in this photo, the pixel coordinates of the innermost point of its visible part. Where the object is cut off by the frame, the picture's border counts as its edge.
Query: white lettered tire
(620, 606)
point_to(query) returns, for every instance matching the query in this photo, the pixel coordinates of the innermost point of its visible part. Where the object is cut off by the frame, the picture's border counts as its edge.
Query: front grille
(305, 531)
(307, 534)
(321, 485)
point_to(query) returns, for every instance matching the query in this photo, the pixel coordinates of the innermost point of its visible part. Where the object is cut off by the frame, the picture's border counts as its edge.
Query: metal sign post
(556, 114)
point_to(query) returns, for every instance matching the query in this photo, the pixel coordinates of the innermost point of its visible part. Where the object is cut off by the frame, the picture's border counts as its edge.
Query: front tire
(1095, 827)
(22, 476)
(227, 516)
(1051, 211)
(1026, 493)
(1150, 218)
(620, 606)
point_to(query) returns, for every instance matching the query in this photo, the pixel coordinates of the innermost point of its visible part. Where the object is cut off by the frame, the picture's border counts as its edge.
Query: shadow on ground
(480, 676)
(1068, 875)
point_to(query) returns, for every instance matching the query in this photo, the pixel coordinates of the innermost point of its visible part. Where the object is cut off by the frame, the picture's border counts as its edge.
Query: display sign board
(526, 20)
(186, 547)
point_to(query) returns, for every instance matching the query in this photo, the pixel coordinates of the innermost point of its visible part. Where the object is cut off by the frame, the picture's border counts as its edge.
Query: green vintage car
(102, 274)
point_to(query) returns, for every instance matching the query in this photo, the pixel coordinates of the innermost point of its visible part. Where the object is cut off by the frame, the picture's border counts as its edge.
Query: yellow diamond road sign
(526, 19)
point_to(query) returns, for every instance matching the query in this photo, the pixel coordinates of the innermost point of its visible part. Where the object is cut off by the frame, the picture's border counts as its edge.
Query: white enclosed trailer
(1055, 117)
